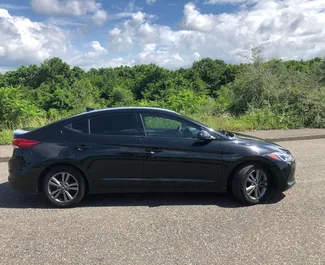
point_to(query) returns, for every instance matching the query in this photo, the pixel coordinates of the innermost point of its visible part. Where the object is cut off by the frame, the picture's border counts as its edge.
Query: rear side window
(115, 124)
(79, 126)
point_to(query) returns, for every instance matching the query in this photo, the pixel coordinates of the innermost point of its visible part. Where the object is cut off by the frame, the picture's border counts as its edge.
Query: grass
(246, 122)
(5, 137)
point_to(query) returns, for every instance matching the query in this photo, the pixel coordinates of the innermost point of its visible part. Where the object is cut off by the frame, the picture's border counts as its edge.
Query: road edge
(296, 138)
(4, 159)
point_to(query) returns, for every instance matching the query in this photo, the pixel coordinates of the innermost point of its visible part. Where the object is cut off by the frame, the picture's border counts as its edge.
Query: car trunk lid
(20, 132)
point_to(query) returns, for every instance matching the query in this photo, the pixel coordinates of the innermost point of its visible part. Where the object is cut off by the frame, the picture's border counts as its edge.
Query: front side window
(166, 126)
(114, 124)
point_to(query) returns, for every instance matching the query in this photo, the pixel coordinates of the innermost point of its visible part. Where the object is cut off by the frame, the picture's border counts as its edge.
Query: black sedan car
(144, 150)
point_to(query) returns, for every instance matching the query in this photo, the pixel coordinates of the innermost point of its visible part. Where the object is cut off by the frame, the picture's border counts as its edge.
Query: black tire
(240, 182)
(75, 176)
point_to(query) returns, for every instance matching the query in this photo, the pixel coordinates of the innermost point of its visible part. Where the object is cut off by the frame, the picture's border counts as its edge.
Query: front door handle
(83, 147)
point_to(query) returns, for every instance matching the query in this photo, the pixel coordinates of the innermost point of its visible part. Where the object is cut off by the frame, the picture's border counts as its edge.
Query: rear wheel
(64, 186)
(250, 184)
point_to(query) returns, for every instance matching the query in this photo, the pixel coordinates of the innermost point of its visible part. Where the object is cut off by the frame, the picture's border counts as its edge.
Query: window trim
(142, 124)
(89, 130)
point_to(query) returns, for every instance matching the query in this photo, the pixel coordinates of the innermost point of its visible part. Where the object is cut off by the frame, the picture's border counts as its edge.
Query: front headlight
(282, 157)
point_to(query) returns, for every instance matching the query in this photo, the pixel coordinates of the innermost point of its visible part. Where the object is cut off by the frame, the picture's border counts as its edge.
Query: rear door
(175, 158)
(108, 147)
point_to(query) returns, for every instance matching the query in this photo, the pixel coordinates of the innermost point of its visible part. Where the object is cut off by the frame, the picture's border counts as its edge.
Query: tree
(212, 72)
(291, 92)
(121, 97)
(51, 69)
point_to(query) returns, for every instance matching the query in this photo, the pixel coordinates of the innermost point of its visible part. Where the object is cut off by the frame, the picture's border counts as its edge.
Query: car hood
(258, 145)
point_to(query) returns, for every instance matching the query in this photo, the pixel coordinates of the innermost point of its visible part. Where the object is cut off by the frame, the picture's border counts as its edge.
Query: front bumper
(286, 179)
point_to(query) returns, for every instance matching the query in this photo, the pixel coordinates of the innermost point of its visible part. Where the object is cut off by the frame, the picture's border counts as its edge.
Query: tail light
(22, 143)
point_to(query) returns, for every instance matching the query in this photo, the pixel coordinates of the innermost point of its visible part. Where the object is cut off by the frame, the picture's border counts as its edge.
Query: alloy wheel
(63, 187)
(256, 184)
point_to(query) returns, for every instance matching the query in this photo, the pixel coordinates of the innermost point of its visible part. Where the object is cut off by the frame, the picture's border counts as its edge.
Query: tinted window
(80, 126)
(167, 126)
(114, 124)
(156, 122)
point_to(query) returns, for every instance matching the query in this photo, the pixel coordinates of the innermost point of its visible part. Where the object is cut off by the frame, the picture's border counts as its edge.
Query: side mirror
(204, 135)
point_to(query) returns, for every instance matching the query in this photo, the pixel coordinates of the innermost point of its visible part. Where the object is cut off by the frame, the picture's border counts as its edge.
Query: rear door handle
(152, 151)
(83, 147)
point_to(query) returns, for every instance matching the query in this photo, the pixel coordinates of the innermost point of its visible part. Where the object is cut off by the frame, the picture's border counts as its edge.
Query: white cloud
(71, 7)
(288, 29)
(150, 2)
(116, 62)
(94, 57)
(115, 32)
(23, 41)
(196, 55)
(98, 50)
(121, 15)
(193, 19)
(161, 57)
(132, 7)
(150, 43)
(2, 51)
(99, 17)
(62, 22)
(15, 7)
(213, 2)
(149, 47)
(65, 7)
(138, 17)
(123, 39)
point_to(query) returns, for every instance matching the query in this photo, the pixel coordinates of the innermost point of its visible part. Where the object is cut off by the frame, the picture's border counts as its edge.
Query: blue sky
(171, 33)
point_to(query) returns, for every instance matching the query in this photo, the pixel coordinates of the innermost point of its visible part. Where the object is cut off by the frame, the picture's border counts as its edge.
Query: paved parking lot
(172, 229)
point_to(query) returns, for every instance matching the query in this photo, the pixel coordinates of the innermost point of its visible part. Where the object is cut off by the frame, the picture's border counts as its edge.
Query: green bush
(188, 101)
(14, 109)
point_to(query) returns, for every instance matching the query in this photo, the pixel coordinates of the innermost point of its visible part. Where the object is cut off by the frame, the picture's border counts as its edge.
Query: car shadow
(14, 199)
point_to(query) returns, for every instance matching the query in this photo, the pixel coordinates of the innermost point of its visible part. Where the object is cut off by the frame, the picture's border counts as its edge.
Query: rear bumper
(23, 179)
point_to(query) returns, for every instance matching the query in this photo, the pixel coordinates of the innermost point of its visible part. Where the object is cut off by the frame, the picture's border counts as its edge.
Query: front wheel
(64, 186)
(250, 184)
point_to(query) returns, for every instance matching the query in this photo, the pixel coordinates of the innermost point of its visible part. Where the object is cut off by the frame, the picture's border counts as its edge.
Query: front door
(175, 158)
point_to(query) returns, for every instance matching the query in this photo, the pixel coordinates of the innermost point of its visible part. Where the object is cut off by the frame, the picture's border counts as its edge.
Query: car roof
(132, 108)
(91, 113)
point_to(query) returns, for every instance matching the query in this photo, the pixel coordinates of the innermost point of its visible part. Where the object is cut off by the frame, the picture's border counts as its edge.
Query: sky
(170, 33)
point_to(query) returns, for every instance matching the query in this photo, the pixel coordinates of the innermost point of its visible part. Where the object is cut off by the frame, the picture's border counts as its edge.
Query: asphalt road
(172, 229)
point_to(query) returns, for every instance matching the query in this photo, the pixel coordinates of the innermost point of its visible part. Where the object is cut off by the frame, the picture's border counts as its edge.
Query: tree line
(272, 94)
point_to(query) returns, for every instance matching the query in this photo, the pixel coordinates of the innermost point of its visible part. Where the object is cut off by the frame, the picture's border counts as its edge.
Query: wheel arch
(58, 164)
(266, 164)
